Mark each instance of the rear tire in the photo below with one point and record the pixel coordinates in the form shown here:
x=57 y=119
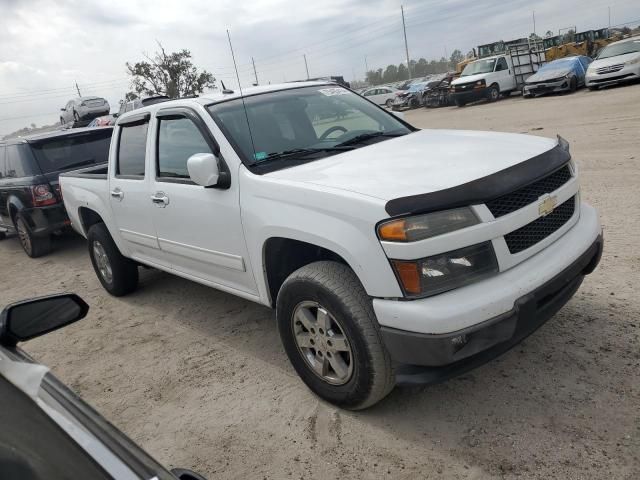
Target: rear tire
x=329 y=294
x=33 y=246
x=3 y=235
x=117 y=274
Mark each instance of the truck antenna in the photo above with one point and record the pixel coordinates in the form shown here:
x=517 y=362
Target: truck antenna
x=244 y=105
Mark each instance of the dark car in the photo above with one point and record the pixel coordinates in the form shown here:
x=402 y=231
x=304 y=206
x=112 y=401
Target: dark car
x=30 y=198
x=80 y=111
x=46 y=431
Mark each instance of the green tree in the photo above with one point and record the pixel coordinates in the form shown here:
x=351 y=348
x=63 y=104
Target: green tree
x=421 y=68
x=390 y=74
x=403 y=72
x=456 y=57
x=170 y=74
x=549 y=34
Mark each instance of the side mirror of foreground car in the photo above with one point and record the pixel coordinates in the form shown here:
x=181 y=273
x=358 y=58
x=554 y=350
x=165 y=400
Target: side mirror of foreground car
x=203 y=169
x=184 y=474
x=32 y=318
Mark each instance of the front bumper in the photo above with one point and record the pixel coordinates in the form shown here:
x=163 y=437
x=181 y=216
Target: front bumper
x=470 y=96
x=431 y=358
x=546 y=87
x=627 y=74
x=43 y=221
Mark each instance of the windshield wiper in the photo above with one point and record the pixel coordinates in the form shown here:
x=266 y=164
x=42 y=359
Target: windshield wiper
x=366 y=136
x=297 y=152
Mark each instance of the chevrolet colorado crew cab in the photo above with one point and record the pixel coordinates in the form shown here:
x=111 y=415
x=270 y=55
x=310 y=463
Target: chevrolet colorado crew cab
x=391 y=254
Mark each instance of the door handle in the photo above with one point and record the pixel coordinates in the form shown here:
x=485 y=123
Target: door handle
x=160 y=199
x=117 y=193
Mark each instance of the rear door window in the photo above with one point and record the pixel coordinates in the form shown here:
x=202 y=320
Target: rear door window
x=132 y=149
x=178 y=139
x=19 y=162
x=64 y=153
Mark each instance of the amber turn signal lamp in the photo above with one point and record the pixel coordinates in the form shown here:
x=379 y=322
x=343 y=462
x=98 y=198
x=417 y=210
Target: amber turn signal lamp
x=394 y=231
x=408 y=274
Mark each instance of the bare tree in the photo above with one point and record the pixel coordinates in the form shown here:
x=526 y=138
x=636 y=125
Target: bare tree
x=170 y=74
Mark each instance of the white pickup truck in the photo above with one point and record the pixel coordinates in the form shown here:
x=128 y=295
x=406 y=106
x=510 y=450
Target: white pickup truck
x=391 y=254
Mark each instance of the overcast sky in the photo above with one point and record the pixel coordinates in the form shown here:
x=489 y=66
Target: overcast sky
x=45 y=47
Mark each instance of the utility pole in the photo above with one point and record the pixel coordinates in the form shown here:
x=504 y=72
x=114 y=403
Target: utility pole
x=254 y=70
x=78 y=89
x=305 y=65
x=609 y=8
x=534 y=22
x=406 y=47
x=366 y=66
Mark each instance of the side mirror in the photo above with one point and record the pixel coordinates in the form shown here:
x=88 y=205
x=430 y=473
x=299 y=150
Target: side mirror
x=184 y=474
x=32 y=318
x=400 y=115
x=115 y=115
x=63 y=109
x=203 y=169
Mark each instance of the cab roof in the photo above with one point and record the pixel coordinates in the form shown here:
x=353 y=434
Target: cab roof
x=219 y=96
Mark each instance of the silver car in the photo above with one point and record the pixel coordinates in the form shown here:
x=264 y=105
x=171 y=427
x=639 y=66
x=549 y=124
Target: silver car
x=83 y=110
x=618 y=62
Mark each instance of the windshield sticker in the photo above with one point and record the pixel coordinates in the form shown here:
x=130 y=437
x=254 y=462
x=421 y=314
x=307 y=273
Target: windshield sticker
x=330 y=92
x=260 y=156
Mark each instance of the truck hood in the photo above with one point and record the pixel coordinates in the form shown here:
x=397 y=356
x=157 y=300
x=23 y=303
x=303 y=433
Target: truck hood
x=421 y=162
x=470 y=78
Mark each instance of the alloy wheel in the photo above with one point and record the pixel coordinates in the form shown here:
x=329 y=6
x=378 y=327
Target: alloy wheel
x=322 y=342
x=102 y=262
x=23 y=235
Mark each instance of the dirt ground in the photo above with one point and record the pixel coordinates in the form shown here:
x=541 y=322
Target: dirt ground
x=199 y=378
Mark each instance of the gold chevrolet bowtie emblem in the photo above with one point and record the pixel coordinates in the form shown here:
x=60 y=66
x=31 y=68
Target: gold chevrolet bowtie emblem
x=547 y=205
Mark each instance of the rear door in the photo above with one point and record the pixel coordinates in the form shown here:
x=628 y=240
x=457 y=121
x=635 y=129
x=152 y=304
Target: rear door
x=199 y=229
x=129 y=190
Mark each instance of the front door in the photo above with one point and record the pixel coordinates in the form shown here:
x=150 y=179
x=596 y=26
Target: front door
x=129 y=192
x=505 y=75
x=199 y=229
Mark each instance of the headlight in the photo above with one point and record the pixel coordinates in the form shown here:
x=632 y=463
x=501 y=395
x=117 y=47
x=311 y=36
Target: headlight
x=633 y=61
x=446 y=271
x=416 y=228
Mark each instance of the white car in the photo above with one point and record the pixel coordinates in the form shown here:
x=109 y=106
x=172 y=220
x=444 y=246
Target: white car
x=616 y=63
x=381 y=95
x=391 y=254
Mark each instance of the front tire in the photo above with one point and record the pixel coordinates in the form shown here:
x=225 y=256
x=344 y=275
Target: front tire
x=494 y=93
x=117 y=274
x=592 y=89
x=460 y=103
x=389 y=103
x=573 y=85
x=33 y=246
x=332 y=337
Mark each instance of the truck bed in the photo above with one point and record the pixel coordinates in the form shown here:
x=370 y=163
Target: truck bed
x=95 y=172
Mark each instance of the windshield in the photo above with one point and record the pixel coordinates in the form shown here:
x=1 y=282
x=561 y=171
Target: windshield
x=416 y=87
x=479 y=66
x=321 y=120
x=619 y=49
x=74 y=151
x=558 y=65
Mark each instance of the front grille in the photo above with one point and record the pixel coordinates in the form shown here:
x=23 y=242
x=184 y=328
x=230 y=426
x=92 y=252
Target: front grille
x=464 y=87
x=529 y=193
x=541 y=228
x=611 y=79
x=610 y=69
